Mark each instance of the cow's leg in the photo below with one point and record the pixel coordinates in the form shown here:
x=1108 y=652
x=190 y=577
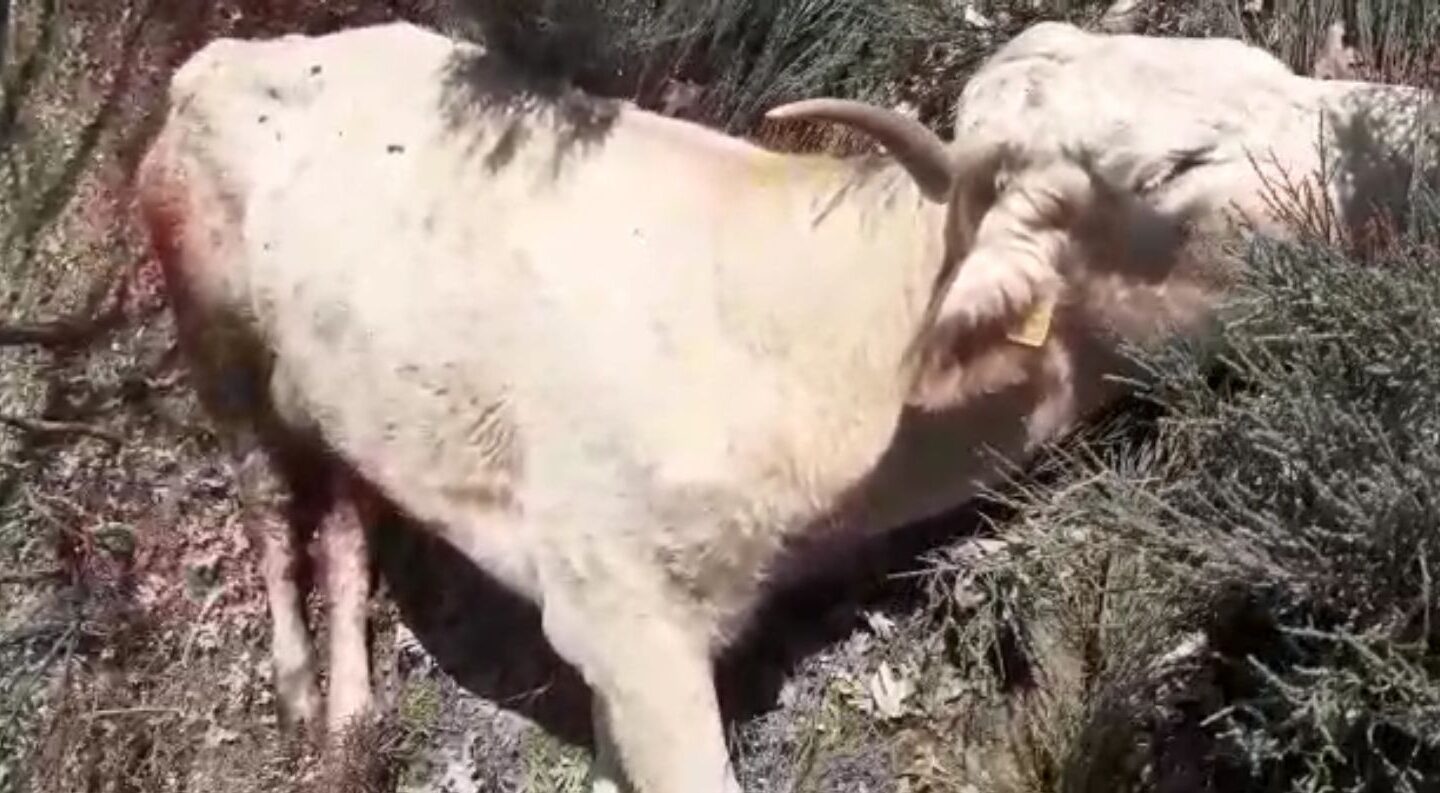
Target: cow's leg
x=606 y=773
x=269 y=497
x=347 y=584
x=651 y=673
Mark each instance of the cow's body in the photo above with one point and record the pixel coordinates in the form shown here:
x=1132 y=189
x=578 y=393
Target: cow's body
x=622 y=362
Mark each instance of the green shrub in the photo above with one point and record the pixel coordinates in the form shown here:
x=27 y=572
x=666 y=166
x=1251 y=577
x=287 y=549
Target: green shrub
x=751 y=54
x=1283 y=503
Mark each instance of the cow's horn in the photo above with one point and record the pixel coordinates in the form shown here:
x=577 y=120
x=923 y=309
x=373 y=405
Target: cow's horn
x=919 y=150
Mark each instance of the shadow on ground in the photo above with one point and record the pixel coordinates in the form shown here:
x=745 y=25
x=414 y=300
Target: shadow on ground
x=489 y=640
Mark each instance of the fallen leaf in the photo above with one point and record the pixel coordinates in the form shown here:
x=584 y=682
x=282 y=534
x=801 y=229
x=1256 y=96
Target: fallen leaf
x=889 y=692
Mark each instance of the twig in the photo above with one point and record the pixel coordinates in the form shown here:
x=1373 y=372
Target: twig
x=139 y=711
x=63 y=332
x=104 y=310
x=43 y=427
x=31 y=632
x=4 y=31
x=32 y=577
x=46 y=333
x=210 y=601
x=1093 y=649
x=67 y=640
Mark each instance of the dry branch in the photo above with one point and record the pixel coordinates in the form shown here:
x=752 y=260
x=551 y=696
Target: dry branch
x=46 y=428
x=78 y=328
x=137 y=711
x=52 y=333
x=33 y=577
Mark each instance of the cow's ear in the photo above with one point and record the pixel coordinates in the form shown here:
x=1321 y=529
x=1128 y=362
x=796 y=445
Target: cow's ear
x=1010 y=276
x=919 y=150
x=953 y=369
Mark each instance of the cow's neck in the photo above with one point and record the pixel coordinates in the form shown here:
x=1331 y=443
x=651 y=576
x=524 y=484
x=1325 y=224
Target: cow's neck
x=846 y=276
x=831 y=308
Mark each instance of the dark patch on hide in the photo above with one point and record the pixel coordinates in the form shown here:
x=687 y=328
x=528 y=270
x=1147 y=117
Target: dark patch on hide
x=506 y=147
x=484 y=92
x=332 y=320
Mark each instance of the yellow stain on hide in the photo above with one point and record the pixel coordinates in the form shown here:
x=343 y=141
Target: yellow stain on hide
x=770 y=170
x=765 y=171
x=1034 y=329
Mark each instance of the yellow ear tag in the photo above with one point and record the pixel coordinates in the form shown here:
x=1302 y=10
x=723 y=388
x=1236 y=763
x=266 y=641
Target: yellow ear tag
x=1035 y=328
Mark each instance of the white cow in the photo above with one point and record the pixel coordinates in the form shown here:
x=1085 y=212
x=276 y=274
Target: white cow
x=628 y=365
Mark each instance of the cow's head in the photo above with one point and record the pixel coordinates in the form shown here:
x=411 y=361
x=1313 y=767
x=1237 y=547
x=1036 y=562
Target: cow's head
x=1028 y=229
